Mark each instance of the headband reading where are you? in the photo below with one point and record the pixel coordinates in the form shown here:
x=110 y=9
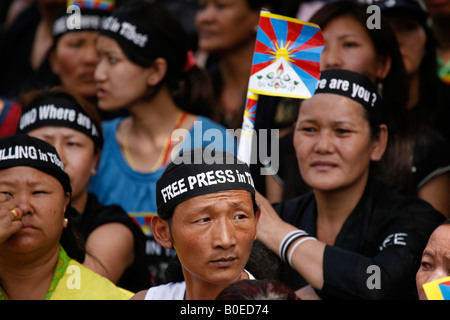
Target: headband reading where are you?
x=355 y=86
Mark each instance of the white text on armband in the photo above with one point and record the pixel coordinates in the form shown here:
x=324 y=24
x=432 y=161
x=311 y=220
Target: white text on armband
x=397 y=239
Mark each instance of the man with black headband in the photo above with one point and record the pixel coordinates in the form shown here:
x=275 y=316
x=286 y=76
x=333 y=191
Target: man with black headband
x=351 y=237
x=207 y=212
x=35 y=195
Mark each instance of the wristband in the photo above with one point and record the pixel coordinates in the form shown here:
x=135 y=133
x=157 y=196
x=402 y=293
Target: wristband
x=296 y=245
x=287 y=241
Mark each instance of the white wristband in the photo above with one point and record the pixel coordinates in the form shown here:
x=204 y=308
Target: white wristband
x=296 y=245
x=287 y=240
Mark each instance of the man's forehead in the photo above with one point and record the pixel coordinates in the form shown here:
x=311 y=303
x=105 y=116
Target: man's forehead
x=230 y=197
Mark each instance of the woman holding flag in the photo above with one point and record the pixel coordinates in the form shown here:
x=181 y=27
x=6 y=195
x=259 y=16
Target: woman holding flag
x=352 y=237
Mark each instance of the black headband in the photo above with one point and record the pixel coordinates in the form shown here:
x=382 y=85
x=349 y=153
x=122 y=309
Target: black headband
x=355 y=86
x=59 y=112
x=140 y=38
x=82 y=15
x=23 y=150
x=199 y=172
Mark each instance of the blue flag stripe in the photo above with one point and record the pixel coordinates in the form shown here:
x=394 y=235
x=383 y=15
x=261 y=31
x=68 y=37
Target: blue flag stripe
x=262 y=57
x=280 y=28
x=309 y=81
x=264 y=39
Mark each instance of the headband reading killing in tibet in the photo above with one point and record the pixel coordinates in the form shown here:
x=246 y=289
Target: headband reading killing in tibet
x=217 y=171
x=355 y=86
x=23 y=150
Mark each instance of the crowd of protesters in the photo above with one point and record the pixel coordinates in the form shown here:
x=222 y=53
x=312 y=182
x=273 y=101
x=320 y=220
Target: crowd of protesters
x=116 y=159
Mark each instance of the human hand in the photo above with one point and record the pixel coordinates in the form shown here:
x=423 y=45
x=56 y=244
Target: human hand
x=10 y=218
x=268 y=216
x=271 y=228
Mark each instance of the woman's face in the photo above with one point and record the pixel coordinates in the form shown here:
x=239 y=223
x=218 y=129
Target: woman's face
x=43 y=202
x=77 y=153
x=120 y=82
x=349 y=46
x=435 y=259
x=411 y=38
x=224 y=25
x=333 y=142
x=74 y=61
x=213 y=235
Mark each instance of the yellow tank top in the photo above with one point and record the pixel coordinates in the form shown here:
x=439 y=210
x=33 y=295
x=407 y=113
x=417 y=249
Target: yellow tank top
x=81 y=283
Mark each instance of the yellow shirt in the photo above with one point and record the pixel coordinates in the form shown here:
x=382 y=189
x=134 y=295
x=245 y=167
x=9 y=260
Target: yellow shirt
x=81 y=283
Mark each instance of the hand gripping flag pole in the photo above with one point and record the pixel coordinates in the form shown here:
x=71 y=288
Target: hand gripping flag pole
x=286 y=63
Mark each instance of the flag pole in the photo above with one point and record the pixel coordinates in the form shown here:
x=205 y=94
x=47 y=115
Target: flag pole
x=248 y=125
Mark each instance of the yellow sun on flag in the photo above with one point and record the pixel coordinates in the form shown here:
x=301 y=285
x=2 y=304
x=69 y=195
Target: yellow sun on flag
x=282 y=52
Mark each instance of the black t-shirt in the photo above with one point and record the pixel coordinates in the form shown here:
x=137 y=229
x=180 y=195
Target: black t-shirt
x=136 y=277
x=385 y=230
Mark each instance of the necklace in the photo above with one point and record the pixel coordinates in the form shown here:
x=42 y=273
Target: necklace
x=164 y=156
x=60 y=269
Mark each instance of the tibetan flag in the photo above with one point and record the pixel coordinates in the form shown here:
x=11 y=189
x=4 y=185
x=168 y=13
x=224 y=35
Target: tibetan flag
x=104 y=5
x=438 y=289
x=286 y=60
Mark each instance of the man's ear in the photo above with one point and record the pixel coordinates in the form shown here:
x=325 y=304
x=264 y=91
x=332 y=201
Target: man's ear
x=161 y=231
x=257 y=215
x=157 y=72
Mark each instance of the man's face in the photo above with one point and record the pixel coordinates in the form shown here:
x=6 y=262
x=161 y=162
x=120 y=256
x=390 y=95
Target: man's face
x=435 y=262
x=213 y=235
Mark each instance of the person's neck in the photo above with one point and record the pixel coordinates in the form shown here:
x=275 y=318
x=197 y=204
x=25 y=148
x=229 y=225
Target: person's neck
x=235 y=66
x=27 y=276
x=334 y=207
x=79 y=201
x=155 y=117
x=146 y=134
x=197 y=289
